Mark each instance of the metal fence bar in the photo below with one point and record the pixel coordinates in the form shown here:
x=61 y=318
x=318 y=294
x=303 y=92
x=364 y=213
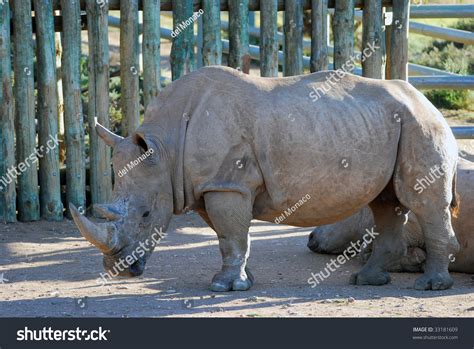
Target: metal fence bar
x=449 y=34
x=442 y=11
x=455 y=35
x=443 y=82
x=463 y=132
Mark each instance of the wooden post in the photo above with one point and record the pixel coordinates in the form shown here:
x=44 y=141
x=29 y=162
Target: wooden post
x=211 y=27
x=399 y=40
x=73 y=116
x=28 y=201
x=293 y=38
x=129 y=65
x=100 y=168
x=343 y=29
x=372 y=51
x=388 y=64
x=239 y=35
x=151 y=50
x=268 y=38
x=182 y=54
x=319 y=35
x=50 y=186
x=7 y=131
x=199 y=42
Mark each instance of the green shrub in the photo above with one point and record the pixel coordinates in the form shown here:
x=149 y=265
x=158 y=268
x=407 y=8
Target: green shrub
x=455 y=58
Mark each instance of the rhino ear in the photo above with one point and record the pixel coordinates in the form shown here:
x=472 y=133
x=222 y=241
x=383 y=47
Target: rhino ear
x=143 y=142
x=110 y=138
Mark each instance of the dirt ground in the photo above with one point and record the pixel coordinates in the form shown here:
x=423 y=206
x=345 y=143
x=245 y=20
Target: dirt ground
x=48 y=269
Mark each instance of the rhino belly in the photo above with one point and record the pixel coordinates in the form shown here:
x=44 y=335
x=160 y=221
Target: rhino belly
x=324 y=168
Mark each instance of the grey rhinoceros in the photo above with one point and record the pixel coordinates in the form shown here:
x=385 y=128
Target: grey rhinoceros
x=337 y=237
x=235 y=147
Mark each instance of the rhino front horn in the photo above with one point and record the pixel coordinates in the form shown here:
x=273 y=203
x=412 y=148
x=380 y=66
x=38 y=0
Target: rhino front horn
x=103 y=236
x=110 y=138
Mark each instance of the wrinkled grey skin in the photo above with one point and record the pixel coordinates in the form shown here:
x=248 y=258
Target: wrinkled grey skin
x=253 y=147
x=335 y=238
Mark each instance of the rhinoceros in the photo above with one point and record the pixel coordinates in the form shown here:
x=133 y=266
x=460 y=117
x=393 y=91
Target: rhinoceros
x=234 y=147
x=335 y=238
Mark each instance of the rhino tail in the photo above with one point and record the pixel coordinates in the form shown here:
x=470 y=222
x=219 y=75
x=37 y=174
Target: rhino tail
x=456 y=200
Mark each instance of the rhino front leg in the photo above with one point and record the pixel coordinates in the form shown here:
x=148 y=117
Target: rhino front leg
x=230 y=214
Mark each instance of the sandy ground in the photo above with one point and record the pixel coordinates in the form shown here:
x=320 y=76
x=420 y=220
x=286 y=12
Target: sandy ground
x=48 y=269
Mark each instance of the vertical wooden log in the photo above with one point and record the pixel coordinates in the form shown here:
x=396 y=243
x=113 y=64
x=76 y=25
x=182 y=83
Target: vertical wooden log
x=388 y=64
x=151 y=50
x=27 y=172
x=129 y=65
x=239 y=35
x=50 y=186
x=343 y=29
x=59 y=88
x=182 y=56
x=211 y=28
x=293 y=54
x=319 y=35
x=372 y=53
x=100 y=168
x=199 y=43
x=268 y=38
x=7 y=131
x=399 y=40
x=383 y=45
x=73 y=116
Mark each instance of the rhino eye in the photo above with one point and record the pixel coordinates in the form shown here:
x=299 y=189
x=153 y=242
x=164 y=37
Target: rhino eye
x=146 y=214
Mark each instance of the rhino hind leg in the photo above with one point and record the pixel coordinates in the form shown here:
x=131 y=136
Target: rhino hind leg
x=388 y=247
x=230 y=214
x=440 y=240
x=427 y=189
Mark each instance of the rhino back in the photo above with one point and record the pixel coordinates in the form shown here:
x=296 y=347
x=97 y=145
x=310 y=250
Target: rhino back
x=267 y=135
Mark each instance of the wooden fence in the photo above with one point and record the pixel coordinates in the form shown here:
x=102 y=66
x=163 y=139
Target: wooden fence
x=29 y=113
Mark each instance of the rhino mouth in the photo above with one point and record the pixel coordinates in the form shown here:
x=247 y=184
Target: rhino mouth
x=114 y=268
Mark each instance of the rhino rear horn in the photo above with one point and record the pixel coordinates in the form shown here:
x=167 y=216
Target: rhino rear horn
x=110 y=212
x=103 y=235
x=110 y=138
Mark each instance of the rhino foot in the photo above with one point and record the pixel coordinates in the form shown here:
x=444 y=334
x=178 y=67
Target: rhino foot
x=366 y=277
x=232 y=280
x=434 y=281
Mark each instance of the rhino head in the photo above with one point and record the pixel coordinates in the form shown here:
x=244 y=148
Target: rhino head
x=141 y=207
